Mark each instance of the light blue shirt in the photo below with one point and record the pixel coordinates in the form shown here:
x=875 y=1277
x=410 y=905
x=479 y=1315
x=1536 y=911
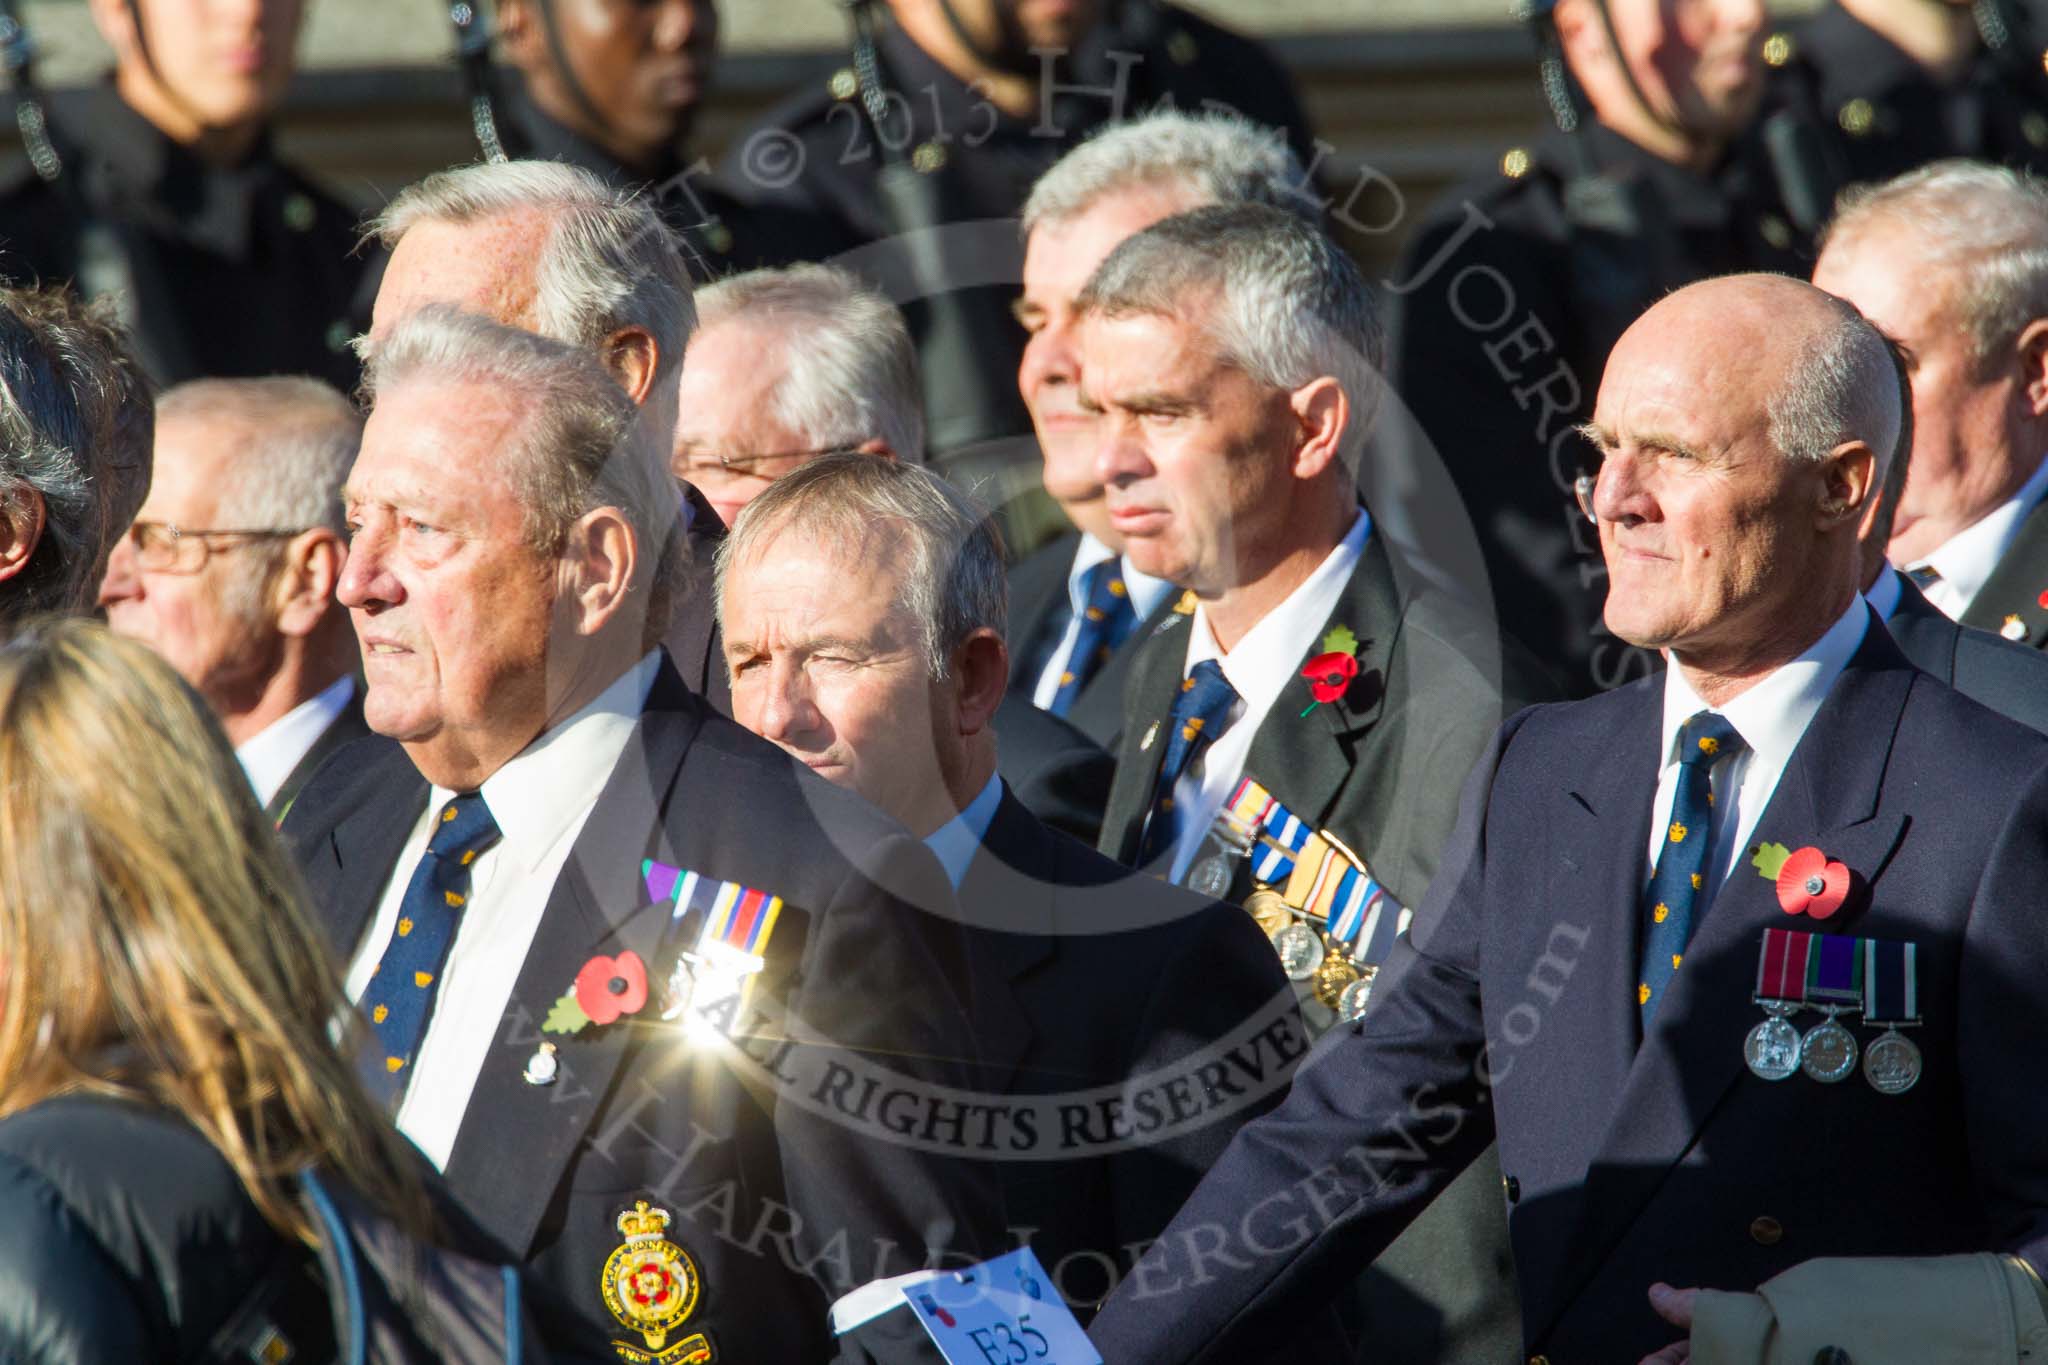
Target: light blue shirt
x=956 y=842
x=1145 y=593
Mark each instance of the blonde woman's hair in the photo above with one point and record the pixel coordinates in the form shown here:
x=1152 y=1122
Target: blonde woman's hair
x=154 y=941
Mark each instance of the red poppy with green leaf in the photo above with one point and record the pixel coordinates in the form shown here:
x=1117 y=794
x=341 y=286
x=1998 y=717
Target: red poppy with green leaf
x=1330 y=673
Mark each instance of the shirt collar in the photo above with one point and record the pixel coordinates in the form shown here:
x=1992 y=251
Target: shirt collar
x=269 y=755
x=1145 y=592
x=1885 y=593
x=956 y=842
x=1268 y=657
x=1966 y=559
x=549 y=786
x=1772 y=714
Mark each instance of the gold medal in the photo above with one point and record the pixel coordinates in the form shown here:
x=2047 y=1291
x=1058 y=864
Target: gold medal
x=1333 y=976
x=1269 y=910
x=650 y=1285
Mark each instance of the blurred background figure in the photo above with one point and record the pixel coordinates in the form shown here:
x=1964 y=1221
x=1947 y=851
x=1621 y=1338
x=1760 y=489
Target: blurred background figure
x=1078 y=604
x=230 y=567
x=1516 y=286
x=75 y=430
x=160 y=189
x=785 y=366
x=165 y=1068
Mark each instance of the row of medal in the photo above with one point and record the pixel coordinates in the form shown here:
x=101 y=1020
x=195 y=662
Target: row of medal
x=1835 y=975
x=1329 y=920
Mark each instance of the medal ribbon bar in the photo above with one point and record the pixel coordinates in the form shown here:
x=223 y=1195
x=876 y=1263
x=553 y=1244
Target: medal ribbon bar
x=1891 y=987
x=1781 y=965
x=1834 y=971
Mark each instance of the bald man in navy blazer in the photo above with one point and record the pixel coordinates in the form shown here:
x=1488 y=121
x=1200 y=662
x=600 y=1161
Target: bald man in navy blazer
x=1563 y=992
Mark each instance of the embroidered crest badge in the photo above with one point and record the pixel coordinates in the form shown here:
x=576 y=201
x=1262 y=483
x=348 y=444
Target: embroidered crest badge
x=650 y=1285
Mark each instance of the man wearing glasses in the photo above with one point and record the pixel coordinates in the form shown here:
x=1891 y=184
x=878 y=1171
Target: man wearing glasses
x=230 y=568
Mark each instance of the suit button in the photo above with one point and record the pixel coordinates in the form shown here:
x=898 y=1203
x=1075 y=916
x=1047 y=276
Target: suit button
x=1766 y=1231
x=1831 y=1355
x=1539 y=1360
x=1512 y=1188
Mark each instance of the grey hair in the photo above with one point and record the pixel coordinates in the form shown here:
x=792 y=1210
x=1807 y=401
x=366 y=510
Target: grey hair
x=76 y=427
x=608 y=260
x=1843 y=387
x=1982 y=226
x=581 y=446
x=297 y=437
x=1290 y=306
x=1214 y=158
x=953 y=583
x=852 y=370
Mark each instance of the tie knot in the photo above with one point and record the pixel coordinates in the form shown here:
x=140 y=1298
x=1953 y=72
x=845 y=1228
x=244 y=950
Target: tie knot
x=1205 y=693
x=465 y=825
x=1707 y=736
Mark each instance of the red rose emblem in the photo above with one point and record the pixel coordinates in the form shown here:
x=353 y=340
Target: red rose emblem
x=608 y=987
x=1329 y=674
x=1810 y=883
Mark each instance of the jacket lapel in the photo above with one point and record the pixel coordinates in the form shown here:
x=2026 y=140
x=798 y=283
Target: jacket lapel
x=1157 y=666
x=366 y=846
x=517 y=1138
x=1924 y=633
x=346 y=726
x=1009 y=884
x=1099 y=711
x=2015 y=588
x=1827 y=797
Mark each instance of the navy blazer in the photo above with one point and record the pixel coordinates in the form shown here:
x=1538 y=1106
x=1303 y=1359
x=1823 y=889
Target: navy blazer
x=1039 y=612
x=784 y=1206
x=2009 y=677
x=1631 y=1160
x=2015 y=597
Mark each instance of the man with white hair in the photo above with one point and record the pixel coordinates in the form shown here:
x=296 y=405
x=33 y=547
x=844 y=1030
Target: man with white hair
x=1646 y=892
x=1971 y=312
x=550 y=248
x=1295 y=730
x=230 y=568
x=790 y=365
x=609 y=945
x=1078 y=604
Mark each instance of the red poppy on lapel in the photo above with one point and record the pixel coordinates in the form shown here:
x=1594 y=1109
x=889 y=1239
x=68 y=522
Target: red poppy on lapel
x=608 y=987
x=1811 y=883
x=1330 y=673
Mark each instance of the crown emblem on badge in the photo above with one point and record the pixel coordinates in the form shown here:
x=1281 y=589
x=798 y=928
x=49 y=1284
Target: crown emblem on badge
x=650 y=1285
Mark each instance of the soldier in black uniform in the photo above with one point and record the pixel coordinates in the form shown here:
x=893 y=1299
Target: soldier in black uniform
x=614 y=87
x=161 y=188
x=1515 y=288
x=1890 y=85
x=973 y=115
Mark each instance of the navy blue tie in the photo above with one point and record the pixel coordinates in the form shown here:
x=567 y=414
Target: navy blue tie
x=1678 y=885
x=1107 y=620
x=400 y=996
x=1200 y=713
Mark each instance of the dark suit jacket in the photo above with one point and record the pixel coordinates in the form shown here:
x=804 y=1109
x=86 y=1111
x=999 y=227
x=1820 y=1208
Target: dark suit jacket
x=758 y=1181
x=1039 y=612
x=2017 y=586
x=1513 y=1008
x=345 y=728
x=1059 y=774
x=693 y=641
x=1088 y=976
x=2004 y=675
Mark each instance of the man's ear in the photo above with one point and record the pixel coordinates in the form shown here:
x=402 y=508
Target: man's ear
x=519 y=37
x=1848 y=484
x=632 y=355
x=2033 y=361
x=21 y=529
x=875 y=445
x=116 y=23
x=981 y=674
x=1322 y=411
x=600 y=559
x=304 y=592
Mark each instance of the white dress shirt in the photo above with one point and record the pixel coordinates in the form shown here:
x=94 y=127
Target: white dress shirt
x=1144 y=592
x=540 y=800
x=1966 y=559
x=1771 y=716
x=1885 y=593
x=956 y=842
x=269 y=755
x=1261 y=666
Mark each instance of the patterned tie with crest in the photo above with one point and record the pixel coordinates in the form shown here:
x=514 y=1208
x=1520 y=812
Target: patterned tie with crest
x=1200 y=713
x=1678 y=884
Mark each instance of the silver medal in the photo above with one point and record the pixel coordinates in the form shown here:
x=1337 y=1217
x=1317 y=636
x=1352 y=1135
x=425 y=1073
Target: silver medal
x=1829 y=1053
x=1210 y=876
x=1351 y=1004
x=1892 y=1063
x=541 y=1067
x=682 y=984
x=1772 y=1049
x=1300 y=949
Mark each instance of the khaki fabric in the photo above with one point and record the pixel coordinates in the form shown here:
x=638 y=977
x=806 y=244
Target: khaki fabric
x=1946 y=1310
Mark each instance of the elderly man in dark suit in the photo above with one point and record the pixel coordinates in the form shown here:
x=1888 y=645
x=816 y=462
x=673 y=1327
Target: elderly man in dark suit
x=1607 y=945
x=862 y=608
x=618 y=956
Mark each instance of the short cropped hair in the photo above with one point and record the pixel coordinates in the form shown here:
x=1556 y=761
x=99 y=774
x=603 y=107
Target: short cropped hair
x=1215 y=158
x=953 y=582
x=609 y=261
x=581 y=446
x=1843 y=387
x=1290 y=307
x=852 y=368
x=76 y=427
x=1983 y=228
x=300 y=435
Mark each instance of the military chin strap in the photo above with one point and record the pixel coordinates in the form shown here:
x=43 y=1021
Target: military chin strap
x=18 y=56
x=1999 y=25
x=473 y=55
